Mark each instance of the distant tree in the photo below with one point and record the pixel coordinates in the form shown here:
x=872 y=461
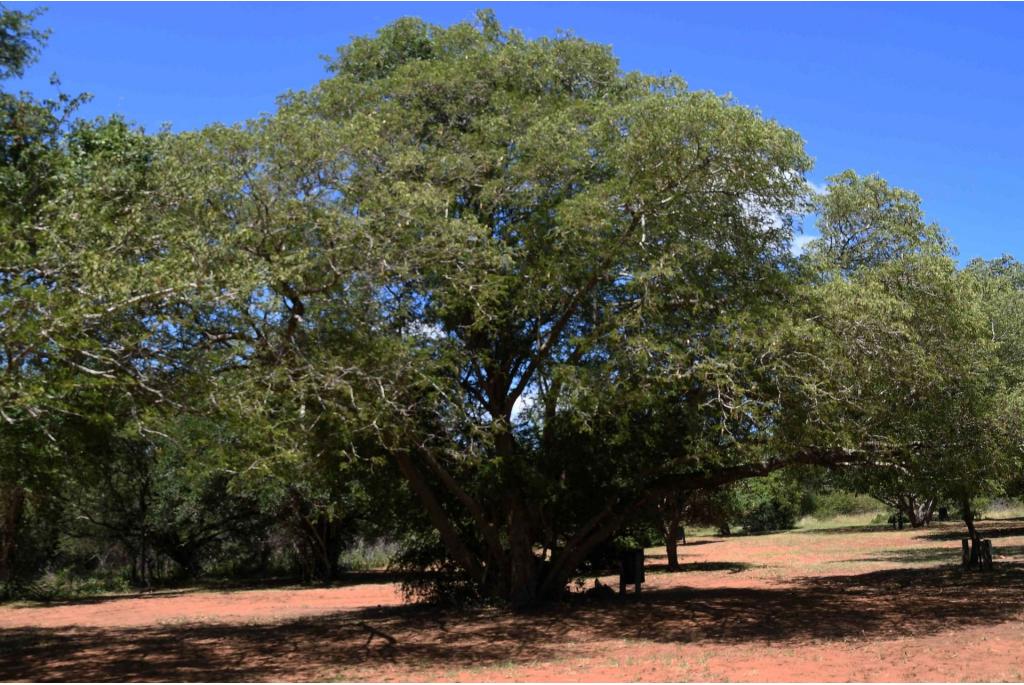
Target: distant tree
x=909 y=350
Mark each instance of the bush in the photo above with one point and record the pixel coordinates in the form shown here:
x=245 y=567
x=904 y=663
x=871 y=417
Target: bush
x=367 y=556
x=64 y=584
x=770 y=503
x=843 y=503
x=430 y=574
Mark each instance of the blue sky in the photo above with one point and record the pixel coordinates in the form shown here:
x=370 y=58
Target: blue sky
x=930 y=96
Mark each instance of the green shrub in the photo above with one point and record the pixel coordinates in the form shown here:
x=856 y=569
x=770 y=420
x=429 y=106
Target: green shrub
x=64 y=584
x=770 y=503
x=843 y=503
x=368 y=555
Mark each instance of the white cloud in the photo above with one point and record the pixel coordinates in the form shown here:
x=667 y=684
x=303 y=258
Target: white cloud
x=819 y=188
x=800 y=243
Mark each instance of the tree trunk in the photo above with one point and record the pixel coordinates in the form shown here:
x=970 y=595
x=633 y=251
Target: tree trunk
x=567 y=560
x=449 y=534
x=672 y=541
x=13 y=507
x=972 y=532
x=324 y=536
x=523 y=563
x=918 y=513
x=926 y=511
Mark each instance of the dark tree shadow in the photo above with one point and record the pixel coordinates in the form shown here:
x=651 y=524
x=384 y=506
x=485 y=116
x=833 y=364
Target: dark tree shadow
x=348 y=579
x=695 y=543
x=1001 y=528
x=875 y=605
x=913 y=601
x=696 y=566
x=870 y=528
x=914 y=556
x=949 y=555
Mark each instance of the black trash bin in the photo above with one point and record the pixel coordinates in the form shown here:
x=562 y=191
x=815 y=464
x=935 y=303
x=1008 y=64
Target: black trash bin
x=631 y=569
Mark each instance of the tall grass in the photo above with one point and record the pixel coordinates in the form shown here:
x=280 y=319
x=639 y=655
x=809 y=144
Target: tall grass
x=368 y=555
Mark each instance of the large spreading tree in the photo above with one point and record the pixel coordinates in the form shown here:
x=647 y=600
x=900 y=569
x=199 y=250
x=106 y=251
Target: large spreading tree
x=533 y=293
x=545 y=289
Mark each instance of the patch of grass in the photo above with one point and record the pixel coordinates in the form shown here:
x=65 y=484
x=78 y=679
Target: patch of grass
x=842 y=521
x=843 y=503
x=368 y=556
x=62 y=585
x=1004 y=509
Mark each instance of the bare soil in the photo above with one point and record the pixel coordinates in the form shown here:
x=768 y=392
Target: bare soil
x=858 y=603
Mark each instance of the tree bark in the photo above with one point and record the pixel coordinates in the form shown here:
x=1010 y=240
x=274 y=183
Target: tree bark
x=971 y=531
x=523 y=564
x=449 y=535
x=13 y=506
x=672 y=541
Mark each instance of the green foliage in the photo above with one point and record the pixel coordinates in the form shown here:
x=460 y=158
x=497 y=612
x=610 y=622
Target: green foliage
x=367 y=555
x=864 y=222
x=842 y=503
x=65 y=585
x=903 y=351
x=766 y=504
x=20 y=41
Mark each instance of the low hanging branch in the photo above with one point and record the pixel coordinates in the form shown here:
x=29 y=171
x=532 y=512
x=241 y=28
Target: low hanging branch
x=813 y=456
x=608 y=520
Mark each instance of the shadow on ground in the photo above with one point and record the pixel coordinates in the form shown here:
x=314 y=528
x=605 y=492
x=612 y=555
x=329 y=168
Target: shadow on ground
x=659 y=566
x=870 y=528
x=696 y=543
x=948 y=555
x=877 y=605
x=999 y=528
x=348 y=579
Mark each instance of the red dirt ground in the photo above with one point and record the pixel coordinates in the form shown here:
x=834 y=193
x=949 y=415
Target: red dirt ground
x=864 y=604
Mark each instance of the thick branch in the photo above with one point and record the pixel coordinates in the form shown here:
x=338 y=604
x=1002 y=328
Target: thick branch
x=567 y=313
x=814 y=456
x=490 y=533
x=604 y=524
x=449 y=535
